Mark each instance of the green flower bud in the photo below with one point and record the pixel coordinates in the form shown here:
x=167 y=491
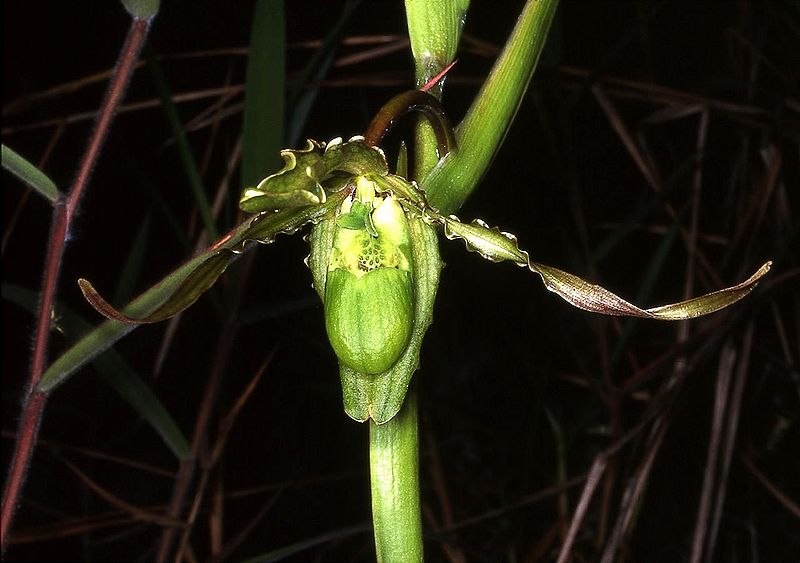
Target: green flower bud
x=369 y=296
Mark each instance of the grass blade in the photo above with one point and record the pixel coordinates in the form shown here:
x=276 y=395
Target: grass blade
x=265 y=92
x=29 y=174
x=116 y=372
x=184 y=148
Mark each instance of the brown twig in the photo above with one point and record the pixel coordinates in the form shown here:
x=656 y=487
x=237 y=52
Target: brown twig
x=595 y=474
x=722 y=396
x=63 y=213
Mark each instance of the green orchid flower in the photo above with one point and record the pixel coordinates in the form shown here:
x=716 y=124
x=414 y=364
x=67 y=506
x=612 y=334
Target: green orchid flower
x=375 y=260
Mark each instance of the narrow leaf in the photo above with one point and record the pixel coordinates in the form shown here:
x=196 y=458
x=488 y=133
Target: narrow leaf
x=137 y=255
x=185 y=153
x=141 y=9
x=303 y=93
x=29 y=174
x=115 y=371
x=265 y=92
x=482 y=131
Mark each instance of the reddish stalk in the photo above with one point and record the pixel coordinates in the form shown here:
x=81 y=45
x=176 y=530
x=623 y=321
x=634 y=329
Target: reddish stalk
x=63 y=212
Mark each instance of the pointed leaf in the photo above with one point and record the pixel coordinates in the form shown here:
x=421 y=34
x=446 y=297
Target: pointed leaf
x=482 y=131
x=115 y=371
x=302 y=93
x=263 y=130
x=185 y=153
x=29 y=174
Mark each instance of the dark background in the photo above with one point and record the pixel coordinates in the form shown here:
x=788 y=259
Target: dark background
x=518 y=391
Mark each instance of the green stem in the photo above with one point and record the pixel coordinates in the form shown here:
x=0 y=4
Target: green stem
x=394 y=477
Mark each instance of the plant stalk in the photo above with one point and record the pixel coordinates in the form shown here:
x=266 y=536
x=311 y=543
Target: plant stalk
x=394 y=479
x=63 y=212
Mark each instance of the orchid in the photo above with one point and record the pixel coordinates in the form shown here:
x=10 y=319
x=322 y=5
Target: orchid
x=374 y=225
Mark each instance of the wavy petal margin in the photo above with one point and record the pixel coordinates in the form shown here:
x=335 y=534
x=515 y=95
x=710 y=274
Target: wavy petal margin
x=262 y=229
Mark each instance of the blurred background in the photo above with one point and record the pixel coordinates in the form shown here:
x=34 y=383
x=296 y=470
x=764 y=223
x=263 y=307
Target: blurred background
x=656 y=153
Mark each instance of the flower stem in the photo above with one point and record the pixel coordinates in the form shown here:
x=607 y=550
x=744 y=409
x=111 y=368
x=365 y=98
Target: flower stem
x=394 y=477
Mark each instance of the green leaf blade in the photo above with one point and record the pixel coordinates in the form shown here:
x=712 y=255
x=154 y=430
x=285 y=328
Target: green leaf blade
x=482 y=131
x=265 y=92
x=30 y=175
x=115 y=371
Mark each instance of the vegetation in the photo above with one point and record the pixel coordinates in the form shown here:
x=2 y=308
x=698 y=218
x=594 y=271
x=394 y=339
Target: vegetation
x=546 y=433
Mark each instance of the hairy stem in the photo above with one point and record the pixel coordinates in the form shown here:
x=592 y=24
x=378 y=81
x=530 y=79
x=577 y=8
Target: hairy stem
x=63 y=212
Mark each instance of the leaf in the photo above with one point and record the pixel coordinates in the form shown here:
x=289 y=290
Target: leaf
x=29 y=174
x=115 y=371
x=141 y=9
x=300 y=181
x=303 y=93
x=488 y=119
x=499 y=246
x=188 y=161
x=137 y=255
x=263 y=131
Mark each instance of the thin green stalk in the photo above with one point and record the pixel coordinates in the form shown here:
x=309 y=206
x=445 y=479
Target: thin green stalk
x=394 y=479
